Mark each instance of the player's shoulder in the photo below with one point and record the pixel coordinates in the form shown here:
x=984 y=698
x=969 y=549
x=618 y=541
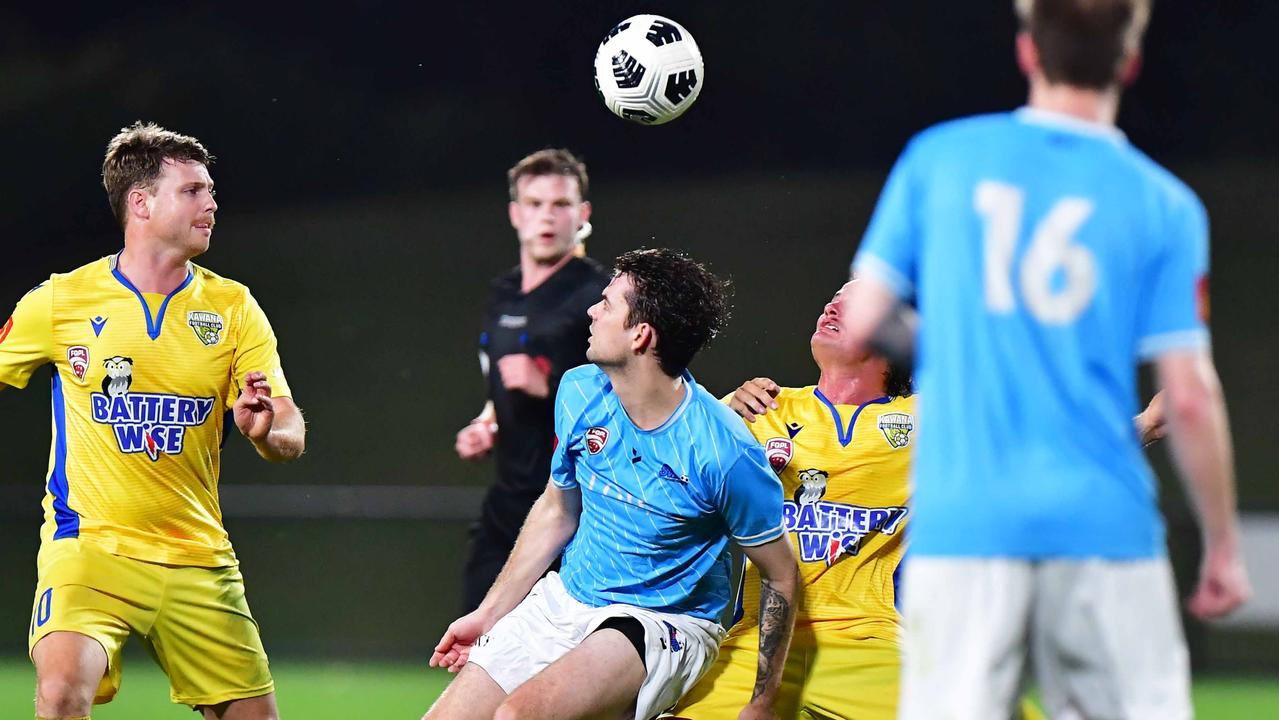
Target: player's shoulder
x=589 y=269
x=581 y=385
x=1172 y=191
x=219 y=289
x=708 y=415
x=960 y=132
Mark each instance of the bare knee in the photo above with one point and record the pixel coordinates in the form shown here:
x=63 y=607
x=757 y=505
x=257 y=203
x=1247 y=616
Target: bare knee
x=63 y=695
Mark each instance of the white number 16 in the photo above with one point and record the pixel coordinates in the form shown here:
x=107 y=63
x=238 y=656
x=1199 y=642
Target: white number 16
x=1050 y=251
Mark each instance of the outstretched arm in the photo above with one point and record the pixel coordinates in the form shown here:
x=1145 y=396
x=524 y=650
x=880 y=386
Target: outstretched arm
x=779 y=584
x=550 y=525
x=273 y=424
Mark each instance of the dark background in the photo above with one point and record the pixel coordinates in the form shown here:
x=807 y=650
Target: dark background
x=362 y=191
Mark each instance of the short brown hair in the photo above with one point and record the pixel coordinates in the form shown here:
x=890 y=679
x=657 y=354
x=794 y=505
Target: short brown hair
x=136 y=156
x=1082 y=42
x=551 y=161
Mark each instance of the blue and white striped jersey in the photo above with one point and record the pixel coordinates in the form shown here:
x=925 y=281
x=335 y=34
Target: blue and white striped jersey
x=658 y=506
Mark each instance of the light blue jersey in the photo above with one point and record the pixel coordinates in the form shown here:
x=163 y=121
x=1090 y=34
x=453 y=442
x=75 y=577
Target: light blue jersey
x=658 y=506
x=1047 y=257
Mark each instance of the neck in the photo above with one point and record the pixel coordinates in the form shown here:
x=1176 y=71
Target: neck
x=648 y=395
x=1095 y=106
x=534 y=273
x=152 y=269
x=856 y=385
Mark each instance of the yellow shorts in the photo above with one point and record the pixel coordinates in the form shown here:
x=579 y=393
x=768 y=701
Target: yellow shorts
x=194 y=621
x=832 y=671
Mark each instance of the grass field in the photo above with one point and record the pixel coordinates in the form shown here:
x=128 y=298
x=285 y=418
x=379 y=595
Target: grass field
x=370 y=690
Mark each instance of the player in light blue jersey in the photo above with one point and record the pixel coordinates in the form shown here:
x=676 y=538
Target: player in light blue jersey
x=651 y=478
x=1047 y=257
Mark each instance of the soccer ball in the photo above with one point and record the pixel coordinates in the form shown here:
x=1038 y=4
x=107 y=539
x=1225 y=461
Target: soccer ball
x=648 y=70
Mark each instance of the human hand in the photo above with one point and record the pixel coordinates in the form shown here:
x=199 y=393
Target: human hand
x=1223 y=583
x=524 y=373
x=454 y=649
x=754 y=397
x=475 y=441
x=254 y=413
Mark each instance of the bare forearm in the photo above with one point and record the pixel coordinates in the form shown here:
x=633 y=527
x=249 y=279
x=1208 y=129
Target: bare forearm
x=1200 y=434
x=776 y=623
x=549 y=527
x=287 y=439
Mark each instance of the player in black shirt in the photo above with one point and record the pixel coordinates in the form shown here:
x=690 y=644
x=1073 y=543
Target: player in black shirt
x=535 y=329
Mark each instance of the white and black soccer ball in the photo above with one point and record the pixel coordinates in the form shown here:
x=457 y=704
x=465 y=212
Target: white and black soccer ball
x=648 y=70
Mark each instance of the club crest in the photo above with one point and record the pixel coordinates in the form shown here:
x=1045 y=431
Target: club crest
x=78 y=360
x=779 y=452
x=896 y=428
x=596 y=439
x=206 y=325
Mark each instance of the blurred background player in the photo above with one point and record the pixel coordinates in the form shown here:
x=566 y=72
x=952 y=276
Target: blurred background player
x=1048 y=257
x=535 y=329
x=149 y=351
x=842 y=450
x=650 y=480
x=849 y=637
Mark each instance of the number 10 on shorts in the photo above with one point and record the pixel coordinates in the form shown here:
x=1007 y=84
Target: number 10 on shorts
x=44 y=606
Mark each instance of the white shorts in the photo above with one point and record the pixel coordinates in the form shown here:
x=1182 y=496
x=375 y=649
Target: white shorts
x=549 y=623
x=1104 y=636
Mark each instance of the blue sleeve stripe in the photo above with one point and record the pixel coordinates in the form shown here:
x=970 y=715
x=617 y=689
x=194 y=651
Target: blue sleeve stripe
x=869 y=264
x=760 y=538
x=1152 y=346
x=66 y=520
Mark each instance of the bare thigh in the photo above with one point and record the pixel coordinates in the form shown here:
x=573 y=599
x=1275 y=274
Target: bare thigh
x=600 y=678
x=472 y=695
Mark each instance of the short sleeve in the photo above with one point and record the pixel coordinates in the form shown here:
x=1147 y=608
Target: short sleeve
x=1173 y=315
x=751 y=502
x=256 y=350
x=26 y=338
x=567 y=446
x=889 y=250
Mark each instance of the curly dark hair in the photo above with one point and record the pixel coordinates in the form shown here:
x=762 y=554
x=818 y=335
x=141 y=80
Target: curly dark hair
x=136 y=155
x=684 y=302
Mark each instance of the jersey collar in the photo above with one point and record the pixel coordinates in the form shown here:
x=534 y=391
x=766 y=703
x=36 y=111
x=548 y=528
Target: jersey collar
x=1069 y=123
x=154 y=325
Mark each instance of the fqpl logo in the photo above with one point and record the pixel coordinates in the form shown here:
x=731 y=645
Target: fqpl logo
x=151 y=423
x=826 y=530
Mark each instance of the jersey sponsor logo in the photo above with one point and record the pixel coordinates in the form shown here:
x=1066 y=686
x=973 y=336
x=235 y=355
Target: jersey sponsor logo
x=779 y=452
x=896 y=428
x=596 y=439
x=206 y=325
x=512 y=321
x=78 y=360
x=4 y=329
x=98 y=323
x=827 y=531
x=151 y=423
x=666 y=473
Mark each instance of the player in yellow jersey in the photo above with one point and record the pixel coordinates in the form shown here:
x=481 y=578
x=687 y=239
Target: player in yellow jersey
x=842 y=450
x=149 y=352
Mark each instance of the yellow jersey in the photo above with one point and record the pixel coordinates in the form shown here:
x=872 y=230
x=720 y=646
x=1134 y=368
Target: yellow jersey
x=845 y=472
x=141 y=387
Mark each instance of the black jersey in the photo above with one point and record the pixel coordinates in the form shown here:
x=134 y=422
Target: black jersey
x=550 y=325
